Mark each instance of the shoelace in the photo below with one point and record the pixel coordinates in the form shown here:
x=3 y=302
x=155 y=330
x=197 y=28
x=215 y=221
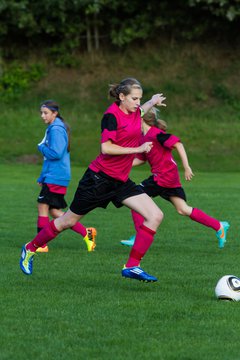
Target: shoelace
x=90 y=235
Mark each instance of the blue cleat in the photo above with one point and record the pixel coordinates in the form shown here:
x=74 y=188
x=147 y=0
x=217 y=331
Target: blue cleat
x=129 y=242
x=26 y=261
x=138 y=274
x=222 y=233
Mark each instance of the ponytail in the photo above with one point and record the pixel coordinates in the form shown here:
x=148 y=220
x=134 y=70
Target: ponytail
x=124 y=87
x=151 y=119
x=67 y=127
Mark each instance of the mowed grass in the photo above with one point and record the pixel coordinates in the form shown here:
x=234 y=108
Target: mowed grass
x=76 y=305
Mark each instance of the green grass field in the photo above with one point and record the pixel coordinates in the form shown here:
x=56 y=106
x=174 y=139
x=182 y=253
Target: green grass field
x=76 y=305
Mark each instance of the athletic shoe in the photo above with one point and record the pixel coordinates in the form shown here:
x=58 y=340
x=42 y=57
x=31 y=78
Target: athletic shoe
x=129 y=242
x=26 y=261
x=137 y=273
x=90 y=238
x=42 y=249
x=222 y=233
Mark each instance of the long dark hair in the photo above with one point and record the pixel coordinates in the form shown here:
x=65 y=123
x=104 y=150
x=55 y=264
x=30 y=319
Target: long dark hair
x=54 y=106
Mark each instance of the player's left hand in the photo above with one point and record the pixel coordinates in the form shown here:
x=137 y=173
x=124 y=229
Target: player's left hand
x=158 y=99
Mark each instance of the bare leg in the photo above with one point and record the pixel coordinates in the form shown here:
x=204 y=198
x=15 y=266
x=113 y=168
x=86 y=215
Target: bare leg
x=88 y=234
x=43 y=209
x=67 y=220
x=221 y=227
x=195 y=214
x=146 y=207
x=181 y=206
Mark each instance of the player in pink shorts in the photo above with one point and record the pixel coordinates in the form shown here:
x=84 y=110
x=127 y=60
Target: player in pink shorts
x=107 y=179
x=165 y=180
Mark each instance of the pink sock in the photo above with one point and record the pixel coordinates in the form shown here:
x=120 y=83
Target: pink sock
x=80 y=229
x=41 y=222
x=137 y=219
x=143 y=241
x=204 y=219
x=48 y=233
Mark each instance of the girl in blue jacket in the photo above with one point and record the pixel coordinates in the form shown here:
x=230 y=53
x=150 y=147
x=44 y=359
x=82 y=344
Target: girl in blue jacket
x=56 y=172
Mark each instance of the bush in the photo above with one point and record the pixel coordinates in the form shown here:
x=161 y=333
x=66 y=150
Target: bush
x=16 y=78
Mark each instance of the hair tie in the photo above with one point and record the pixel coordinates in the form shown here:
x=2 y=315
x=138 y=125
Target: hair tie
x=53 y=108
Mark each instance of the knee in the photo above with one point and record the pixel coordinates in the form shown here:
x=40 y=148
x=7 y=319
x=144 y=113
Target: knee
x=184 y=211
x=55 y=213
x=181 y=212
x=65 y=223
x=69 y=223
x=158 y=217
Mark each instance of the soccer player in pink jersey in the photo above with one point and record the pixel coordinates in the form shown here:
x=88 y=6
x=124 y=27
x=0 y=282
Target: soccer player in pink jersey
x=107 y=179
x=56 y=172
x=165 y=180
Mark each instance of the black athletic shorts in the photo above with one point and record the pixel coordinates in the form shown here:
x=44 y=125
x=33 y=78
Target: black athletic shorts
x=152 y=189
x=98 y=190
x=54 y=200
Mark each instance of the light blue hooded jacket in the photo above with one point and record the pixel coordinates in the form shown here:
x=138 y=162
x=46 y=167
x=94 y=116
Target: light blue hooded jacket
x=56 y=165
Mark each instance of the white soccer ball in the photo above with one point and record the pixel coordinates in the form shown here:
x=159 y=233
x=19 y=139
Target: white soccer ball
x=228 y=288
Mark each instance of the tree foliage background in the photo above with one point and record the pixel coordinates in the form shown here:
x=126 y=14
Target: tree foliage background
x=72 y=48
x=58 y=26
x=60 y=31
